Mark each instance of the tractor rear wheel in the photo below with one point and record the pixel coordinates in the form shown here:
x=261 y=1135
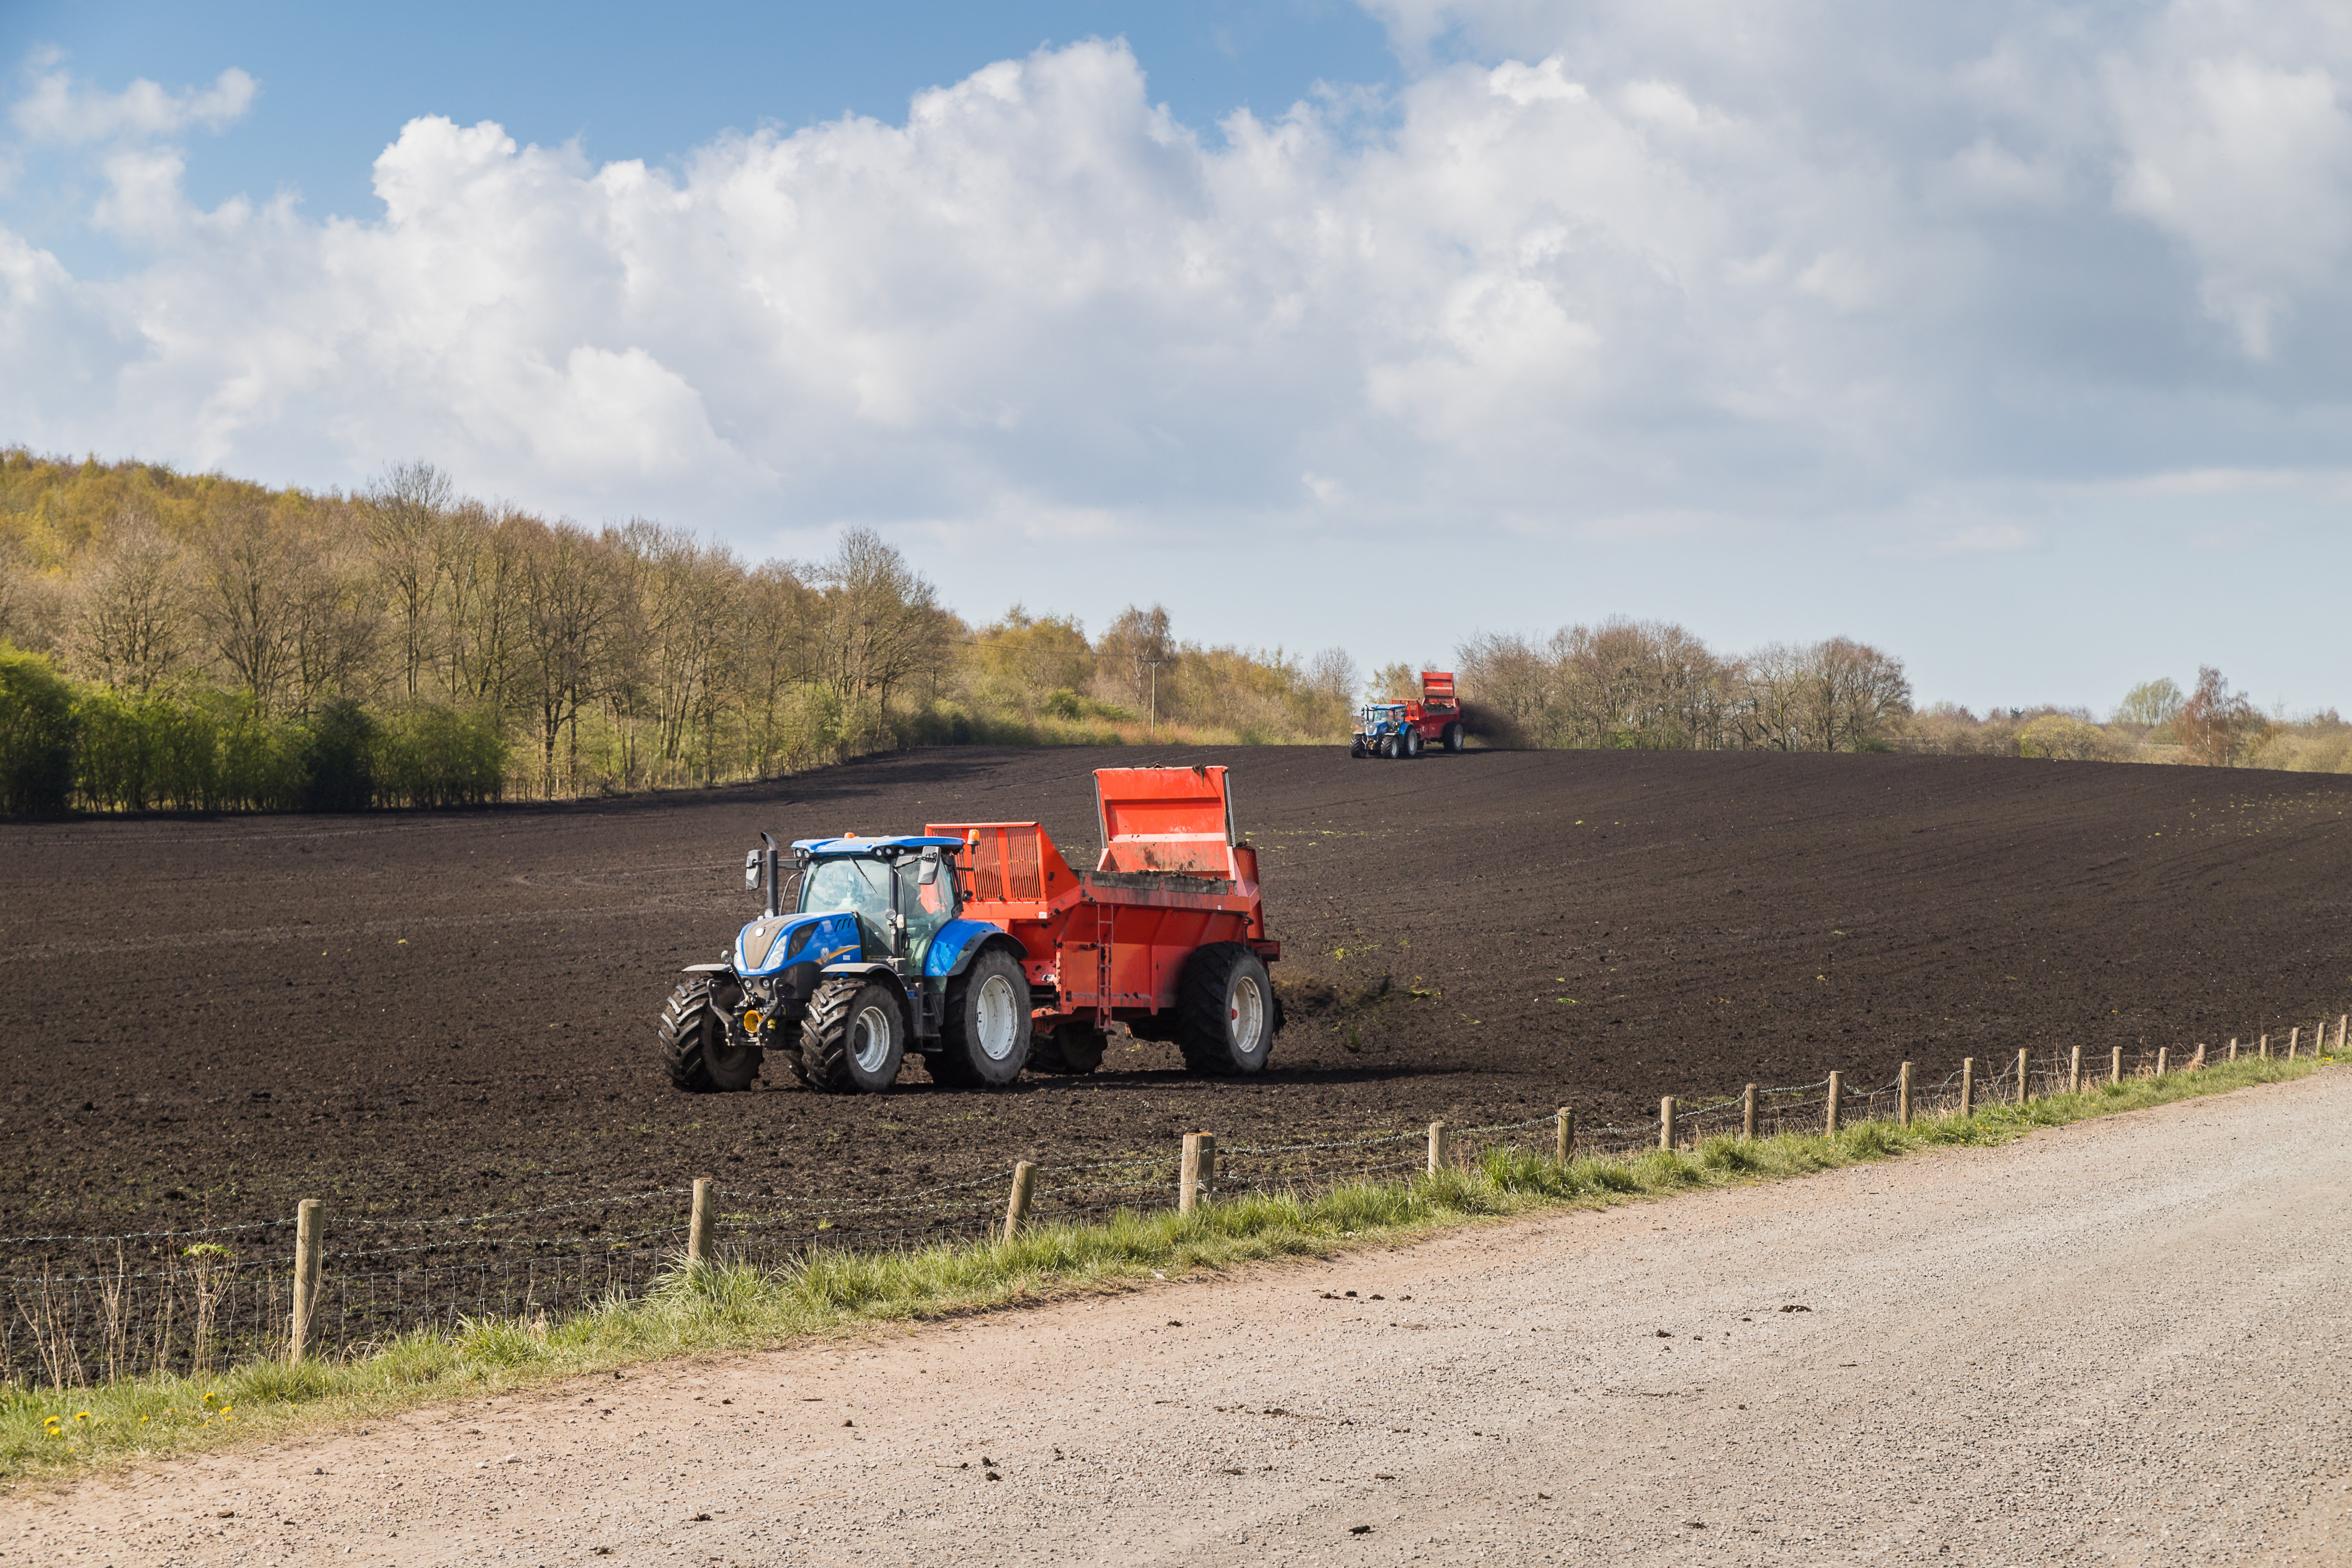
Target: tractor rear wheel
x=853 y=1037
x=1454 y=737
x=697 y=1044
x=1225 y=1011
x=984 y=1039
x=1070 y=1050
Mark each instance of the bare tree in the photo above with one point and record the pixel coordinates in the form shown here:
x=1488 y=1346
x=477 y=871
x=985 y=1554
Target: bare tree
x=1857 y=692
x=1332 y=675
x=482 y=607
x=569 y=602
x=772 y=655
x=883 y=626
x=242 y=599
x=2218 y=726
x=130 y=607
x=408 y=513
x=334 y=622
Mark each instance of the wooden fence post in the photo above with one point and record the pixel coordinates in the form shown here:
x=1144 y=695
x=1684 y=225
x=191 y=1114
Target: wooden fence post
x=1902 y=1095
x=1441 y=1147
x=310 y=1223
x=2074 y=1072
x=1666 y=1123
x=2266 y=1048
x=1967 y=1085
x=2115 y=1066
x=2293 y=1038
x=1563 y=1134
x=1197 y=1181
x=2340 y=1023
x=2197 y=1062
x=1748 y=1114
x=2025 y=1077
x=2162 y=1052
x=1016 y=1207
x=2233 y=1047
x=697 y=1225
x=1837 y=1094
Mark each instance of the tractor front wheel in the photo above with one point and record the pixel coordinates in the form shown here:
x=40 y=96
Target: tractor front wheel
x=702 y=1052
x=984 y=1040
x=853 y=1037
x=1412 y=741
x=1357 y=748
x=1226 y=1011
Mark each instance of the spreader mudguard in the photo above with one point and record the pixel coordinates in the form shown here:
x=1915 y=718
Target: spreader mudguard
x=774 y=942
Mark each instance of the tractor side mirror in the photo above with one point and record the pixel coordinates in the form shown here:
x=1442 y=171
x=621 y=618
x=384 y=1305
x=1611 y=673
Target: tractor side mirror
x=931 y=866
x=751 y=871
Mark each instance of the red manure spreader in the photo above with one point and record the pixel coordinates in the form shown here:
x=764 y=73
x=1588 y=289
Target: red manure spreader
x=1167 y=933
x=1009 y=960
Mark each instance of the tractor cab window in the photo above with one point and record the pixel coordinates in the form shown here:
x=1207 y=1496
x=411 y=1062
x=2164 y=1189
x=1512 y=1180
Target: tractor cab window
x=852 y=885
x=927 y=906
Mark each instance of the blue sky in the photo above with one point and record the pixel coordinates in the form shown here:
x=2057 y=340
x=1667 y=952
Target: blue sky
x=339 y=82
x=2013 y=337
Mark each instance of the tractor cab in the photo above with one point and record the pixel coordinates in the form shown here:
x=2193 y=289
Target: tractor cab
x=901 y=892
x=1382 y=730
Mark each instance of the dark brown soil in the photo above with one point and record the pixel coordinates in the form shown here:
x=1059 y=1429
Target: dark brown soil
x=433 y=1014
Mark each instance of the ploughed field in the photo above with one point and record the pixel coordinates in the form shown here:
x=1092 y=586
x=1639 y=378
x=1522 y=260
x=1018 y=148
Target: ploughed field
x=420 y=1015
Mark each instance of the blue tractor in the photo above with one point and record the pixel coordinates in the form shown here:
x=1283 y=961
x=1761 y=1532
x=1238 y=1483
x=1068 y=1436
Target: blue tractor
x=1385 y=730
x=871 y=960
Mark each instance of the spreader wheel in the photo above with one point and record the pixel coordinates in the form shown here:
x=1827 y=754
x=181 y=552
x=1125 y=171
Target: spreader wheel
x=1068 y=1051
x=984 y=1039
x=702 y=1055
x=1225 y=1011
x=1454 y=737
x=853 y=1037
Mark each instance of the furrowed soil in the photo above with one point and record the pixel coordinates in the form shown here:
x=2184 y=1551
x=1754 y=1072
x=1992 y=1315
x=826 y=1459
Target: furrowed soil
x=427 y=1014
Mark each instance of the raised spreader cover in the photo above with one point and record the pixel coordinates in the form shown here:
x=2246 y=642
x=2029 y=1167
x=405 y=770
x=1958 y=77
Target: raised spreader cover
x=1176 y=820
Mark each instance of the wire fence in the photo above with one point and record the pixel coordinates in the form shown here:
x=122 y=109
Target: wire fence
x=83 y=1308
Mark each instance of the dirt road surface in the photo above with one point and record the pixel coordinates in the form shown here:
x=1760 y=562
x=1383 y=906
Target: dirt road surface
x=2115 y=1342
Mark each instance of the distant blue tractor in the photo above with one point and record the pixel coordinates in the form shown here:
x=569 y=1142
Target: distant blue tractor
x=1385 y=730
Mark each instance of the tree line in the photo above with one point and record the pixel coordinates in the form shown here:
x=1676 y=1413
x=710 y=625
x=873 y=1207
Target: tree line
x=198 y=642
x=1650 y=684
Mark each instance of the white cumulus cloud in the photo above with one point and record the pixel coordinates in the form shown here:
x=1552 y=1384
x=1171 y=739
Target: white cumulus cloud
x=1739 y=268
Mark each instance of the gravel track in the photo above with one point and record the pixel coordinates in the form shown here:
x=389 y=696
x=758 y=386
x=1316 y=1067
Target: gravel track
x=2113 y=1342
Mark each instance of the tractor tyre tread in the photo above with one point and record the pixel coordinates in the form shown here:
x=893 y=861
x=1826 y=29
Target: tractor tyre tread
x=824 y=1035
x=688 y=1020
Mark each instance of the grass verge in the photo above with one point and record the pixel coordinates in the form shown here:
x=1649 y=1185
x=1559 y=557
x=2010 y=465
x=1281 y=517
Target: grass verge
x=702 y=1309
